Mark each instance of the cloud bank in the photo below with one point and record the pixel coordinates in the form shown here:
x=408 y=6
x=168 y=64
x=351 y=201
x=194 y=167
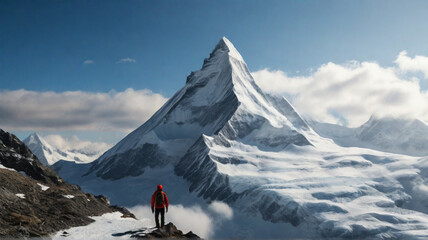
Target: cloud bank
x=74 y=143
x=350 y=93
x=22 y=110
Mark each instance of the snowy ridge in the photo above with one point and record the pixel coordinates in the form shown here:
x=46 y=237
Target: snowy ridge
x=48 y=155
x=403 y=136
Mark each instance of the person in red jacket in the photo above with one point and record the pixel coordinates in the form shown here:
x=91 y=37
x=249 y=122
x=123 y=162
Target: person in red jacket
x=160 y=203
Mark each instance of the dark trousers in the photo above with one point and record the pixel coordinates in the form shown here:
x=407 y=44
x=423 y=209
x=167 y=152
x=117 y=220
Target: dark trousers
x=162 y=212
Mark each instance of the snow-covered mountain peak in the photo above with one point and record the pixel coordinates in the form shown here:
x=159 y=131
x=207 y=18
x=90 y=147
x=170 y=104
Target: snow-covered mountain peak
x=48 y=154
x=34 y=138
x=393 y=122
x=221 y=59
x=221 y=100
x=226 y=44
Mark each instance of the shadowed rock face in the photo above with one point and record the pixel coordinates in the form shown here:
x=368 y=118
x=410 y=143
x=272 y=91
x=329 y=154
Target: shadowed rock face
x=35 y=201
x=127 y=164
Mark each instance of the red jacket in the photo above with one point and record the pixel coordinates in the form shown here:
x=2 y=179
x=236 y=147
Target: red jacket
x=160 y=205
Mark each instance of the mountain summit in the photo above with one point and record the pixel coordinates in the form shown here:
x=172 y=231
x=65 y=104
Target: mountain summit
x=219 y=100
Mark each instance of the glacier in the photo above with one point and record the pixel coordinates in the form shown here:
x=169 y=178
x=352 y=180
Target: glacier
x=221 y=138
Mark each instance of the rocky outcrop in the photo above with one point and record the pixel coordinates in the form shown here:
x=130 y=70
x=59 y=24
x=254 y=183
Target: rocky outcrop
x=14 y=154
x=168 y=231
x=35 y=201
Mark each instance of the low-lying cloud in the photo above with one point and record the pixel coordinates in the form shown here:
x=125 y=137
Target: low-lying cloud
x=74 y=143
x=221 y=209
x=22 y=110
x=349 y=94
x=194 y=218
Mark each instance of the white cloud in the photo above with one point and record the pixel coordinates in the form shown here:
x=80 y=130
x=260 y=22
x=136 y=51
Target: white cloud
x=74 y=143
x=88 y=62
x=416 y=64
x=221 y=209
x=127 y=60
x=22 y=110
x=349 y=92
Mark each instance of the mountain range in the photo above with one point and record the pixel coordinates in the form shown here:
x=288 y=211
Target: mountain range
x=402 y=136
x=48 y=154
x=221 y=138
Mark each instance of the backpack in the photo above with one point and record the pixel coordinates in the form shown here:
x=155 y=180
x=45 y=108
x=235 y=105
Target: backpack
x=159 y=198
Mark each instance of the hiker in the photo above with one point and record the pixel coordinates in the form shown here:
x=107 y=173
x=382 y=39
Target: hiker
x=160 y=203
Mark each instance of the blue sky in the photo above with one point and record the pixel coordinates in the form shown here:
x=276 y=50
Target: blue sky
x=44 y=44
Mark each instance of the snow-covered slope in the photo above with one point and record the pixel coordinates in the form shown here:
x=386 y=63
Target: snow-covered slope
x=404 y=136
x=223 y=139
x=48 y=155
x=222 y=99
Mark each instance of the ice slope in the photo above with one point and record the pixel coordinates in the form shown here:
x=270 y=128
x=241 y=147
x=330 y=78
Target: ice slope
x=221 y=138
x=403 y=136
x=222 y=95
x=48 y=155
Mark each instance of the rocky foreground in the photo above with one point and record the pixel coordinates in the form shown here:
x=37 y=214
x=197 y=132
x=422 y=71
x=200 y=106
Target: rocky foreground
x=168 y=231
x=35 y=201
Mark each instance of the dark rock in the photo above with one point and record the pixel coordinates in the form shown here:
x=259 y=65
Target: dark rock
x=126 y=213
x=168 y=231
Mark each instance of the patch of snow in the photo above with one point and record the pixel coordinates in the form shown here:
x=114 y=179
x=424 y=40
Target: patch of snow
x=43 y=187
x=3 y=167
x=20 y=195
x=68 y=196
x=103 y=228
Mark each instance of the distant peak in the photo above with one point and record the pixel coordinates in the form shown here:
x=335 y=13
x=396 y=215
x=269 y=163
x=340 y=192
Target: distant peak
x=34 y=138
x=34 y=135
